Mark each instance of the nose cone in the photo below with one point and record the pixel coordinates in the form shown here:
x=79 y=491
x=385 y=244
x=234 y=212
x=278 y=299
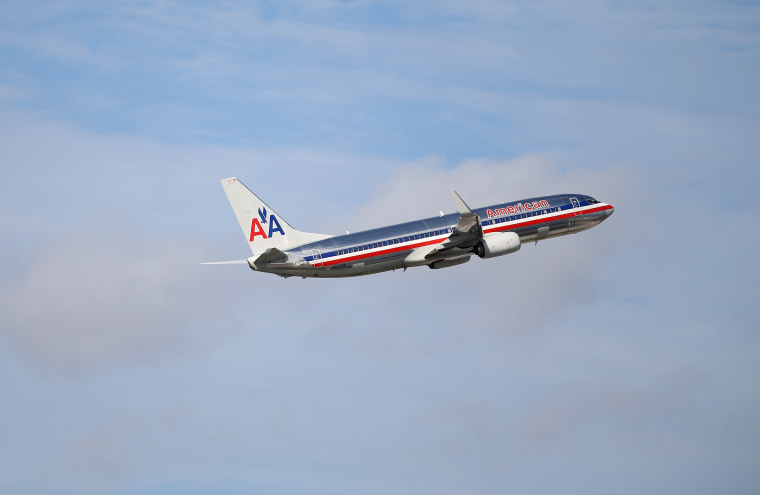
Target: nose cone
x=609 y=211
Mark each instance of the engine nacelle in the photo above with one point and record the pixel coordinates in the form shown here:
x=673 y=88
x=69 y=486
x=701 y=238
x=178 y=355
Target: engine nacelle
x=498 y=244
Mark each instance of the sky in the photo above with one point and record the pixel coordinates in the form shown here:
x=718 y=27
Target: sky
x=619 y=360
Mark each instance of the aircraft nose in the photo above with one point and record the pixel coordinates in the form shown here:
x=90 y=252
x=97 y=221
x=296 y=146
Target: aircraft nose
x=610 y=211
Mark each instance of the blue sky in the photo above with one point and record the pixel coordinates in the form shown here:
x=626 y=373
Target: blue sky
x=620 y=360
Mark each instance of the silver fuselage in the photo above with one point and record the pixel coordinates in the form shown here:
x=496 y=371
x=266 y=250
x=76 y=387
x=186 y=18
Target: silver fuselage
x=387 y=248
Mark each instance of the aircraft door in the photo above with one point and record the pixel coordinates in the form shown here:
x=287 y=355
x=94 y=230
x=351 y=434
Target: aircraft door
x=317 y=258
x=576 y=210
x=576 y=205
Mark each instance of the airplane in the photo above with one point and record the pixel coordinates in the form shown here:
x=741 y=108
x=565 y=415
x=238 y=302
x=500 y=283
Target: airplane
x=437 y=242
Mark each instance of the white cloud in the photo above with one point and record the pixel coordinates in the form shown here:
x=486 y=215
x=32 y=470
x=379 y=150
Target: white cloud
x=106 y=297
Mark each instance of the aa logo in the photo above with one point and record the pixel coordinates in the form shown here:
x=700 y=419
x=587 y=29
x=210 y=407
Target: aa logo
x=257 y=228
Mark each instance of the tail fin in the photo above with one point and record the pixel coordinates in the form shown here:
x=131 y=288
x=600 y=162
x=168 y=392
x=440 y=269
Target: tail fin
x=262 y=227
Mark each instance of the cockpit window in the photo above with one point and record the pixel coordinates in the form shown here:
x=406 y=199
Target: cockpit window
x=592 y=201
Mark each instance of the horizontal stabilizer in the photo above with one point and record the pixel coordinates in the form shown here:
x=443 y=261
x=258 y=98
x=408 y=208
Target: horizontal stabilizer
x=234 y=262
x=270 y=255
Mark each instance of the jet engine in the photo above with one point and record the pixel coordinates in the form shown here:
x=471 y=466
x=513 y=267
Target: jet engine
x=498 y=244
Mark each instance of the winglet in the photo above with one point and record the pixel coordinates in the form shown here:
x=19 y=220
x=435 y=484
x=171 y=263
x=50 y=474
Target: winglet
x=462 y=207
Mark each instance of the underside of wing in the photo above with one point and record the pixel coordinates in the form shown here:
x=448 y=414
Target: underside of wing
x=460 y=244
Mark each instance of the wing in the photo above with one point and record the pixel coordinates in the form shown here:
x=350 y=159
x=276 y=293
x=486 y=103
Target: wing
x=468 y=231
x=467 y=234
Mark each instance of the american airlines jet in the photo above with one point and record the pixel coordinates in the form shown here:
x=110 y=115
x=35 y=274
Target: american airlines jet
x=437 y=242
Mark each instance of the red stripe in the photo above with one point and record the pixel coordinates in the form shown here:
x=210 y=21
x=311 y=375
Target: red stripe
x=409 y=247
x=406 y=247
x=545 y=219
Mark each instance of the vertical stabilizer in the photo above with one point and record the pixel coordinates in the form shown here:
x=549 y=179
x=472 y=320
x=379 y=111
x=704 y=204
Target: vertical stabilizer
x=262 y=226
